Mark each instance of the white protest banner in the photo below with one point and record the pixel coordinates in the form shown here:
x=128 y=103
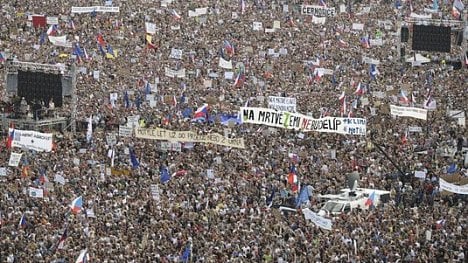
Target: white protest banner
x=408 y=112
x=420 y=174
x=282 y=103
x=188 y=136
x=319 y=221
x=323 y=71
x=319 y=20
x=198 y=12
x=31 y=140
x=125 y=131
x=320 y=11
x=414 y=129
x=457 y=189
x=60 y=41
x=358 y=26
x=224 y=63
x=150 y=28
x=376 y=42
x=36 y=192
x=297 y=121
x=14 y=159
x=417 y=16
x=176 y=53
x=59 y=179
x=370 y=61
x=171 y=146
x=257 y=26
x=90 y=9
x=3 y=171
x=175 y=73
x=456 y=114
x=52 y=20
x=132 y=121
x=155 y=192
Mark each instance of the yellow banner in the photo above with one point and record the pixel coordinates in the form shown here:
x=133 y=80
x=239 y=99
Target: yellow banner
x=188 y=136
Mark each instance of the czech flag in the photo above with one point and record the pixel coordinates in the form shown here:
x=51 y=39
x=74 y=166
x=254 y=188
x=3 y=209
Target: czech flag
x=77 y=205
x=64 y=236
x=52 y=31
x=2 y=58
x=365 y=42
x=322 y=3
x=370 y=200
x=229 y=47
x=403 y=98
x=359 y=90
x=175 y=15
x=201 y=114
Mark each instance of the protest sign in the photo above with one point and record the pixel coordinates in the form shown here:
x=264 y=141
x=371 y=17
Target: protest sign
x=420 y=174
x=125 y=131
x=171 y=146
x=320 y=11
x=175 y=73
x=176 y=53
x=257 y=26
x=36 y=192
x=3 y=171
x=371 y=61
x=282 y=103
x=457 y=189
x=288 y=120
x=319 y=20
x=155 y=192
x=150 y=28
x=52 y=20
x=14 y=159
x=358 y=26
x=188 y=136
x=224 y=63
x=408 y=112
x=91 y=9
x=32 y=140
x=319 y=221
x=60 y=41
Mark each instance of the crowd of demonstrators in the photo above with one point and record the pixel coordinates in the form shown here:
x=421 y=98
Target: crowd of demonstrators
x=215 y=207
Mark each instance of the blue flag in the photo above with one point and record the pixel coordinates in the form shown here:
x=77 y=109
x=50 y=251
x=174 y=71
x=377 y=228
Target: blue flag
x=452 y=168
x=187 y=113
x=164 y=175
x=133 y=159
x=126 y=100
x=42 y=38
x=225 y=118
x=186 y=254
x=303 y=196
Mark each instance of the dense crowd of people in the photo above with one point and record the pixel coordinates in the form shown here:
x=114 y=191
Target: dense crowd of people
x=221 y=203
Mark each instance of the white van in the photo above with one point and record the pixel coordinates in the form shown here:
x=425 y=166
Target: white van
x=349 y=200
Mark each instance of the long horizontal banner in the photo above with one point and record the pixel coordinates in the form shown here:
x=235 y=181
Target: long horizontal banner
x=90 y=9
x=188 y=136
x=408 y=112
x=288 y=120
x=31 y=140
x=319 y=11
x=457 y=189
x=319 y=221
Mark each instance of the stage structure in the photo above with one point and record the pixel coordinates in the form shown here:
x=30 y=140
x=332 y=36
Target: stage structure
x=39 y=85
x=432 y=35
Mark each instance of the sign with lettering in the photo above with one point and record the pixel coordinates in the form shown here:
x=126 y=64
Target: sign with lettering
x=188 y=136
x=316 y=10
x=32 y=140
x=91 y=9
x=296 y=121
x=282 y=103
x=408 y=112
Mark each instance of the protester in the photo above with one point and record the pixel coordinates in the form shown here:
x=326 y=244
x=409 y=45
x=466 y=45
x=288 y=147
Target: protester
x=145 y=200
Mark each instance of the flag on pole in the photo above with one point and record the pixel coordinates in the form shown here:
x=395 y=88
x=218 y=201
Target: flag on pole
x=83 y=257
x=77 y=205
x=61 y=242
x=22 y=222
x=133 y=159
x=89 y=132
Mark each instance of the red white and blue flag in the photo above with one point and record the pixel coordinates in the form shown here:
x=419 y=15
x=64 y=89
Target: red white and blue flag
x=201 y=114
x=77 y=205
